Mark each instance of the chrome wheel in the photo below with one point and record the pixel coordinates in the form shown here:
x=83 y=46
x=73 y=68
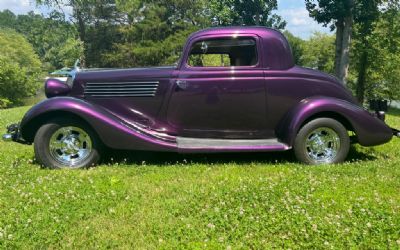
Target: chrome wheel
x=70 y=146
x=322 y=145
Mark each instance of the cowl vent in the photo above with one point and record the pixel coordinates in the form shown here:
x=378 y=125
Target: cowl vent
x=121 y=89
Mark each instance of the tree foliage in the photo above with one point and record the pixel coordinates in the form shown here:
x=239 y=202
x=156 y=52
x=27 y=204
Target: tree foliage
x=377 y=56
x=102 y=32
x=318 y=52
x=48 y=36
x=297 y=46
x=18 y=50
x=155 y=31
x=341 y=15
x=252 y=12
x=119 y=33
x=20 y=68
x=97 y=24
x=64 y=55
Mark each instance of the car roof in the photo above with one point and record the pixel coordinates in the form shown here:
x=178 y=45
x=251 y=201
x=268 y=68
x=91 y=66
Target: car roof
x=276 y=49
x=259 y=30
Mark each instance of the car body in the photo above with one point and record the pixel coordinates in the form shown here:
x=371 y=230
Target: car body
x=234 y=89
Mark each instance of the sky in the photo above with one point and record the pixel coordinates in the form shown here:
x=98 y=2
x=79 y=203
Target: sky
x=298 y=21
x=293 y=11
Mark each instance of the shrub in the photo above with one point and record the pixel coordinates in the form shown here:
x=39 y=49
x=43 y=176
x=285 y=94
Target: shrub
x=15 y=84
x=20 y=69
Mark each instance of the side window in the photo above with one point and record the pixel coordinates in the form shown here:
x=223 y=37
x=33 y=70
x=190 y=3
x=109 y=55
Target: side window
x=226 y=52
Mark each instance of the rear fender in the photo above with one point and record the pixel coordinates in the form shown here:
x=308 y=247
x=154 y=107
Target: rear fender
x=112 y=131
x=370 y=131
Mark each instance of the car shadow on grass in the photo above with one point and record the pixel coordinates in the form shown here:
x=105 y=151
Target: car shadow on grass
x=163 y=158
x=166 y=159
x=355 y=155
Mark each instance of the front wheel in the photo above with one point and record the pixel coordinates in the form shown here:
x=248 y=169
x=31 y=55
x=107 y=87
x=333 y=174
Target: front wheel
x=62 y=144
x=322 y=141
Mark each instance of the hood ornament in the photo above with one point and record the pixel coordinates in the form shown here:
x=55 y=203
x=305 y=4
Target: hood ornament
x=77 y=65
x=75 y=69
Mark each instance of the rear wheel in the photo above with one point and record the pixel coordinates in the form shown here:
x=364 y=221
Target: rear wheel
x=62 y=144
x=322 y=141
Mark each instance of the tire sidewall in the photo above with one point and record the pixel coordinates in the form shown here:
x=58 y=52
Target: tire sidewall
x=42 y=142
x=300 y=141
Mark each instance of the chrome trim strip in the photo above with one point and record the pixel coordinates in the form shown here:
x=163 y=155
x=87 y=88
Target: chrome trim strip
x=185 y=142
x=112 y=83
x=122 y=87
x=123 y=95
x=125 y=89
x=120 y=93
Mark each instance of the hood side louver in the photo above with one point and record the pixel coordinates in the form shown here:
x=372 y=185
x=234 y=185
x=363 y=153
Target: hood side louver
x=121 y=89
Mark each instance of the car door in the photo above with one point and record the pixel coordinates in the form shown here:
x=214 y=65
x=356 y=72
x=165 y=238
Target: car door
x=220 y=89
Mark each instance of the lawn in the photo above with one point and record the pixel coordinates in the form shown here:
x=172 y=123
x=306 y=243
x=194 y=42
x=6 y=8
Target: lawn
x=229 y=201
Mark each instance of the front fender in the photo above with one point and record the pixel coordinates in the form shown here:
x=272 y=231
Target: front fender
x=112 y=131
x=370 y=131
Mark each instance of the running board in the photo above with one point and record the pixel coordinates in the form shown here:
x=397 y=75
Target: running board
x=229 y=145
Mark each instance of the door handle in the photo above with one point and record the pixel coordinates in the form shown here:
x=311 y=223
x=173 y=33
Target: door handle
x=182 y=84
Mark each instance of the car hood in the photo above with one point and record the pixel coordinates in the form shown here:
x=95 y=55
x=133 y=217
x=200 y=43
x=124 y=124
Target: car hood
x=117 y=75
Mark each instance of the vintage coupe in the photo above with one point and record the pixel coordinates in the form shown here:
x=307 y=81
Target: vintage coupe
x=234 y=89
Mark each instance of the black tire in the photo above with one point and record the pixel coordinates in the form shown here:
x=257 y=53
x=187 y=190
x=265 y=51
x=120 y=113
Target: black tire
x=305 y=153
x=47 y=159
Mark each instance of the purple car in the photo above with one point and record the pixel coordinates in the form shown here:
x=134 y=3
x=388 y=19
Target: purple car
x=235 y=89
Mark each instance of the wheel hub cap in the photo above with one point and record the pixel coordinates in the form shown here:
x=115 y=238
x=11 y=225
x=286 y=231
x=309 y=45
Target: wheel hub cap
x=70 y=146
x=322 y=145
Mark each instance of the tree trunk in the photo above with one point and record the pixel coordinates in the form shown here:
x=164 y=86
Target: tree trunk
x=82 y=34
x=338 y=50
x=257 y=19
x=362 y=76
x=344 y=29
x=343 y=68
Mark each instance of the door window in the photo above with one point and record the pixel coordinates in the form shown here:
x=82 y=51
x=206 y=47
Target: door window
x=226 y=52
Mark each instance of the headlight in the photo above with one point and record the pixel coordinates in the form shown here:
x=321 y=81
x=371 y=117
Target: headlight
x=55 y=87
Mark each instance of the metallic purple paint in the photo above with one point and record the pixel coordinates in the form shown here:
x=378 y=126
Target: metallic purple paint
x=113 y=131
x=370 y=131
x=271 y=100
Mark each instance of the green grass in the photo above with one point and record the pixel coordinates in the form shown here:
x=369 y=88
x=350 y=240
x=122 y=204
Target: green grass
x=233 y=201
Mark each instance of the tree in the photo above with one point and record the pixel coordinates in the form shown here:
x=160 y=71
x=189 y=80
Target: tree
x=155 y=31
x=46 y=44
x=66 y=54
x=80 y=14
x=318 y=52
x=252 y=12
x=297 y=45
x=363 y=29
x=341 y=15
x=102 y=32
x=17 y=49
x=377 y=56
x=20 y=68
x=96 y=22
x=7 y=19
